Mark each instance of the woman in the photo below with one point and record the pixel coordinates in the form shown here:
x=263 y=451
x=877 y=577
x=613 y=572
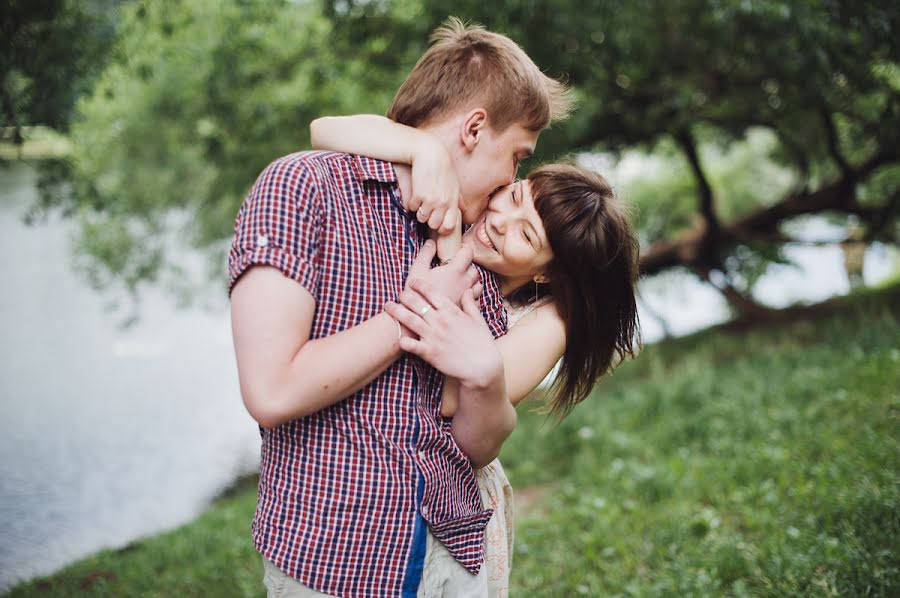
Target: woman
x=564 y=255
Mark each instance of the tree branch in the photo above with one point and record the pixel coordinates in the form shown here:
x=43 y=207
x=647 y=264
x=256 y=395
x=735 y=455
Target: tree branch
x=833 y=142
x=740 y=301
x=707 y=208
x=687 y=249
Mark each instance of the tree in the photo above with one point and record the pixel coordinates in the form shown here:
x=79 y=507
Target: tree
x=202 y=95
x=823 y=78
x=51 y=51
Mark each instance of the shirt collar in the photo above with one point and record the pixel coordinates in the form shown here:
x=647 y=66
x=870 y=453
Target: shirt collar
x=370 y=169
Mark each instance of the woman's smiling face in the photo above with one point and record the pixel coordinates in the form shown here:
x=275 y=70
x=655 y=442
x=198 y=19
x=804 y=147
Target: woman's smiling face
x=509 y=237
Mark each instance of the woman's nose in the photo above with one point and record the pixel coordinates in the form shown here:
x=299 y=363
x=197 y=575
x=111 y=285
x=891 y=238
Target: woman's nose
x=499 y=223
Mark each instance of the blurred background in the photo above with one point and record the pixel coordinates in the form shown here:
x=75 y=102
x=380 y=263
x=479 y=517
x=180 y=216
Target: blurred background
x=756 y=142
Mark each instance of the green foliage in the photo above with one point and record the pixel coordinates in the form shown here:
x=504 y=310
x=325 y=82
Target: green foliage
x=724 y=464
x=197 y=99
x=200 y=96
x=50 y=52
x=663 y=192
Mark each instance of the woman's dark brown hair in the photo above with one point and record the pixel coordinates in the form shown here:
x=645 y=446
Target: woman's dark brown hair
x=592 y=277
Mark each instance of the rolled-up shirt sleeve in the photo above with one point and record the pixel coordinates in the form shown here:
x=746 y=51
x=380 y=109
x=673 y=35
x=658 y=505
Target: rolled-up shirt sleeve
x=280 y=224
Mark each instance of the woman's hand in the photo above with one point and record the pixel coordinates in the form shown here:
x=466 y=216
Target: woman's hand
x=457 y=342
x=435 y=187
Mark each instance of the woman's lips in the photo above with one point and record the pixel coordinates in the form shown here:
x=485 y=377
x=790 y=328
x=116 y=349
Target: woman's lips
x=481 y=233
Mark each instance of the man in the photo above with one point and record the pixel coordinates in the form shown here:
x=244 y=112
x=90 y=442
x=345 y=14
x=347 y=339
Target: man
x=359 y=473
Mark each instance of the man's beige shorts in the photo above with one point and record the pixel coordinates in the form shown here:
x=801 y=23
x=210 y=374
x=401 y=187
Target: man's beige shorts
x=442 y=575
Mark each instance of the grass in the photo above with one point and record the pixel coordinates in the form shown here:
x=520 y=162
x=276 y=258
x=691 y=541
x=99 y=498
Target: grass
x=212 y=556
x=759 y=463
x=723 y=464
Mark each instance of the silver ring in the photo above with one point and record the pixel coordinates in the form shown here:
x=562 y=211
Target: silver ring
x=424 y=310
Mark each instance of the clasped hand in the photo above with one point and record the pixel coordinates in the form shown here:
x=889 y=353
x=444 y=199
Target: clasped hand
x=439 y=308
x=435 y=189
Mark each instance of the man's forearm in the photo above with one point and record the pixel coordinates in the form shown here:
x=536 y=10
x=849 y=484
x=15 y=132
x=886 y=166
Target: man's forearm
x=324 y=371
x=484 y=419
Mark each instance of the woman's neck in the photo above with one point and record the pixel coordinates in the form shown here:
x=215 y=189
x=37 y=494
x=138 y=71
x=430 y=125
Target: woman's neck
x=509 y=284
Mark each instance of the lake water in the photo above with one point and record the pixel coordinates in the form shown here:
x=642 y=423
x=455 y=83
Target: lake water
x=109 y=435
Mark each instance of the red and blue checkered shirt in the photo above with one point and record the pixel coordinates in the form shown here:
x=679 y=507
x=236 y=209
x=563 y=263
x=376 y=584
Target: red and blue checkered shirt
x=344 y=493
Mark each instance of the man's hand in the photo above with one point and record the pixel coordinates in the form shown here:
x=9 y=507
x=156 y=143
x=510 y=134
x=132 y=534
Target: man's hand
x=458 y=343
x=449 y=281
x=455 y=341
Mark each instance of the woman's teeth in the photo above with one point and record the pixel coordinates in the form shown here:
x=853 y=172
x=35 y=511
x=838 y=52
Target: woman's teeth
x=482 y=234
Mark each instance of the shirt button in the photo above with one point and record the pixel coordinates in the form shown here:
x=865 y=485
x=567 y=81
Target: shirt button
x=262 y=241
x=424 y=510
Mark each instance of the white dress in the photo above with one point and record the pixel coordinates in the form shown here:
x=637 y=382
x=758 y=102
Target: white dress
x=497 y=494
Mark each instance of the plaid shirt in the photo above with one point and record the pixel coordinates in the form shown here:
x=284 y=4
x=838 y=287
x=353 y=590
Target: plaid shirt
x=343 y=493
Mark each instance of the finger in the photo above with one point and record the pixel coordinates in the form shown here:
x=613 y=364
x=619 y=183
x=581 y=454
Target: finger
x=477 y=290
x=415 y=302
x=411 y=345
x=414 y=203
x=449 y=223
x=469 y=306
x=447 y=246
x=428 y=292
x=407 y=318
x=423 y=213
x=473 y=275
x=422 y=263
x=463 y=258
x=436 y=218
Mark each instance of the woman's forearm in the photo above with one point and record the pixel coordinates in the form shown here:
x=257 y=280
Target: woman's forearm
x=484 y=420
x=529 y=350
x=371 y=135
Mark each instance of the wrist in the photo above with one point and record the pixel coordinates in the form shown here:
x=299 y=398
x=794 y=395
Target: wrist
x=399 y=330
x=429 y=149
x=488 y=378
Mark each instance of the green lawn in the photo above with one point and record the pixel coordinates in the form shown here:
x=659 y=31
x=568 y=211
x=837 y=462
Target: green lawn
x=725 y=464
x=759 y=463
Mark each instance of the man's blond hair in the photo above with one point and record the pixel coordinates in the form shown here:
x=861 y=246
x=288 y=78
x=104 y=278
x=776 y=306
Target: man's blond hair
x=468 y=67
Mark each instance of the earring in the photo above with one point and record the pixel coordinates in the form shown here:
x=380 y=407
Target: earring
x=535 y=291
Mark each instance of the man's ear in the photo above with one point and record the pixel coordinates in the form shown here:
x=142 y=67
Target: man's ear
x=472 y=128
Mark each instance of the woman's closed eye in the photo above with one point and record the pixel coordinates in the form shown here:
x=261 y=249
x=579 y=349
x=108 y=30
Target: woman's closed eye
x=528 y=237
